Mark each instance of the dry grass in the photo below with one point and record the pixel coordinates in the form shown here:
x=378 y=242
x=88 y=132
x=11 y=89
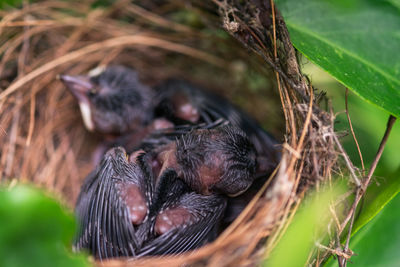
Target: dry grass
x=43 y=140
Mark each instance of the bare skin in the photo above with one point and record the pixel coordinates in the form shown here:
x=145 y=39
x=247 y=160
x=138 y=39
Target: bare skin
x=184 y=109
x=171 y=218
x=135 y=202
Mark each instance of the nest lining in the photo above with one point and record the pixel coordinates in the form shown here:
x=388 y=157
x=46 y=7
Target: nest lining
x=44 y=140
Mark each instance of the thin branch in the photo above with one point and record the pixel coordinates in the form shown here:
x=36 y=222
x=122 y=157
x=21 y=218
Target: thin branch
x=352 y=130
x=389 y=127
x=31 y=119
x=346 y=246
x=347 y=160
x=361 y=190
x=333 y=251
x=156 y=19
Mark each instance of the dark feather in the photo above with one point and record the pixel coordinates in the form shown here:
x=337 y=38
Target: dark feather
x=104 y=221
x=206 y=213
x=166 y=136
x=213 y=107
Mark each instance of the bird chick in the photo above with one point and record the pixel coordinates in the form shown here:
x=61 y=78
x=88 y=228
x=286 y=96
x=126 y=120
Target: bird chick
x=219 y=160
x=114 y=102
x=114 y=200
x=123 y=213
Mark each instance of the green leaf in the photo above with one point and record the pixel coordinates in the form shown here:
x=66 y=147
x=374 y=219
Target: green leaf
x=378 y=242
x=395 y=3
x=377 y=197
x=357 y=42
x=35 y=230
x=384 y=233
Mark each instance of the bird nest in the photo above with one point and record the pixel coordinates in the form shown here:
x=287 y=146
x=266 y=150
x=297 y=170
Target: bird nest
x=239 y=48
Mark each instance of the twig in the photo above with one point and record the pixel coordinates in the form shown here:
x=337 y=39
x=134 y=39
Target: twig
x=389 y=127
x=110 y=43
x=346 y=246
x=276 y=72
x=13 y=137
x=284 y=76
x=352 y=130
x=337 y=235
x=28 y=23
x=362 y=189
x=31 y=119
x=334 y=251
x=347 y=160
x=292 y=120
x=156 y=19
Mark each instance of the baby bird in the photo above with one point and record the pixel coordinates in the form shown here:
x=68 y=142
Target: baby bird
x=122 y=213
x=115 y=103
x=186 y=144
x=219 y=160
x=114 y=200
x=112 y=100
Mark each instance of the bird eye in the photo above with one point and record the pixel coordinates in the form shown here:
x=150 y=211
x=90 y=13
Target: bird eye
x=92 y=92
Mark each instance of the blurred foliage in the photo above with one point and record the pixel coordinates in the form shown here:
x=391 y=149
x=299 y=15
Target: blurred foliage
x=377 y=243
x=357 y=42
x=377 y=196
x=35 y=230
x=369 y=124
x=102 y=3
x=5 y=3
x=188 y=18
x=395 y=3
x=307 y=226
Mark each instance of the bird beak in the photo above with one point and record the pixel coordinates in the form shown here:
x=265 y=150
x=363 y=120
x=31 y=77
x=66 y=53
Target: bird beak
x=79 y=86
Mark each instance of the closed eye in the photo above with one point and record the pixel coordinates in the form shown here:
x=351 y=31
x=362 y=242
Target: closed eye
x=93 y=92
